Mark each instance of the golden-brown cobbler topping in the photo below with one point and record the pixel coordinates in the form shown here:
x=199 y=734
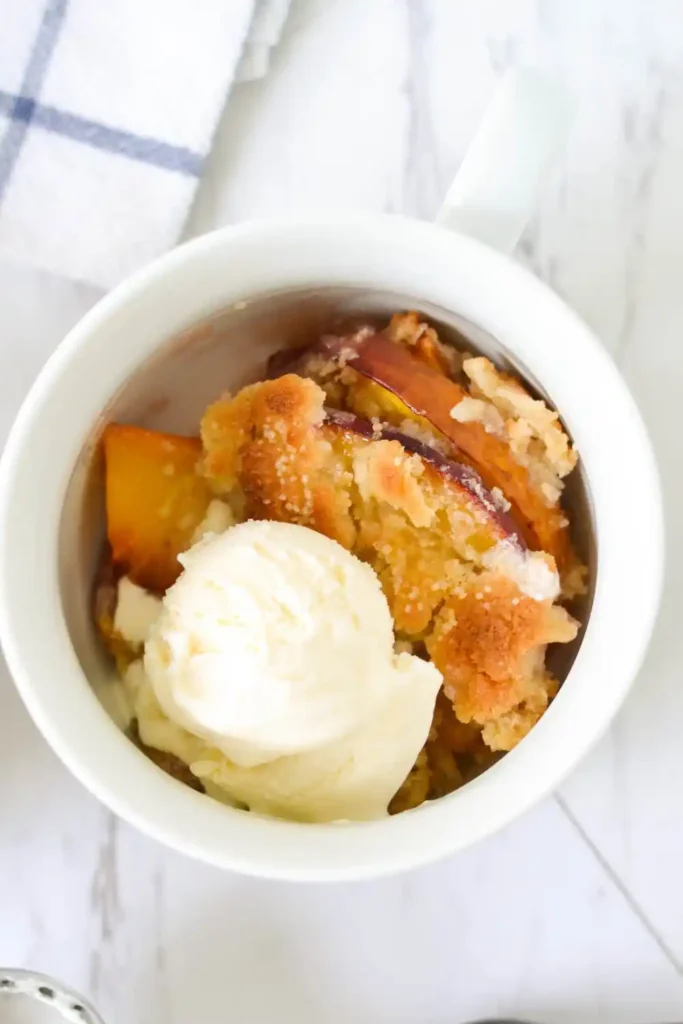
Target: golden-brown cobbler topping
x=271 y=450
x=489 y=643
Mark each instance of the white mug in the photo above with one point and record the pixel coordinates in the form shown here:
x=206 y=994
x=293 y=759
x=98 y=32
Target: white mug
x=202 y=319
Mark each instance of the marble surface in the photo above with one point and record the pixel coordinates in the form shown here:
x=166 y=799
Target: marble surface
x=574 y=913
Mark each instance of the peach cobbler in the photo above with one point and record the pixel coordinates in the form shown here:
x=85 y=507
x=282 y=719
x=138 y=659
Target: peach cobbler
x=392 y=647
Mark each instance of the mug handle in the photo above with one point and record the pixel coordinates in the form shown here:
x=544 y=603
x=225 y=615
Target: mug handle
x=497 y=185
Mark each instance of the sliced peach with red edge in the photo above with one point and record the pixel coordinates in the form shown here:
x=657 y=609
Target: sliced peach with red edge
x=456 y=475
x=155 y=500
x=427 y=351
x=370 y=398
x=429 y=394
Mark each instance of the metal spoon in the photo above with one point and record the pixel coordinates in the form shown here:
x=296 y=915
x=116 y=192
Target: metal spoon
x=30 y=998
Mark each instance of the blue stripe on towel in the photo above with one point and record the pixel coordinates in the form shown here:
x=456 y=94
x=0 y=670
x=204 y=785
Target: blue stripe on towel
x=23 y=110
x=23 y=107
x=100 y=136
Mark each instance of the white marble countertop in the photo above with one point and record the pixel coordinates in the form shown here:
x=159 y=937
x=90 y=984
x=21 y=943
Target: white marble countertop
x=575 y=913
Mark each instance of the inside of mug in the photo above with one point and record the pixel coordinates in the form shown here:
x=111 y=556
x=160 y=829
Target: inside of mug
x=170 y=390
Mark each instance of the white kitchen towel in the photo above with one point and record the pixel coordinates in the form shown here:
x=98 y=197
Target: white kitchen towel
x=107 y=111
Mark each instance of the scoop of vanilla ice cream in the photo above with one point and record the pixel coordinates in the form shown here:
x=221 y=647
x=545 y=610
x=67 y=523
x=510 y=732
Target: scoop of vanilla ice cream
x=353 y=778
x=276 y=641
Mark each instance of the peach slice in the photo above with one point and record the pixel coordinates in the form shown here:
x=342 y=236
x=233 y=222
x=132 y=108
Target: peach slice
x=322 y=360
x=419 y=516
x=427 y=352
x=453 y=475
x=155 y=500
x=430 y=394
x=410 y=330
